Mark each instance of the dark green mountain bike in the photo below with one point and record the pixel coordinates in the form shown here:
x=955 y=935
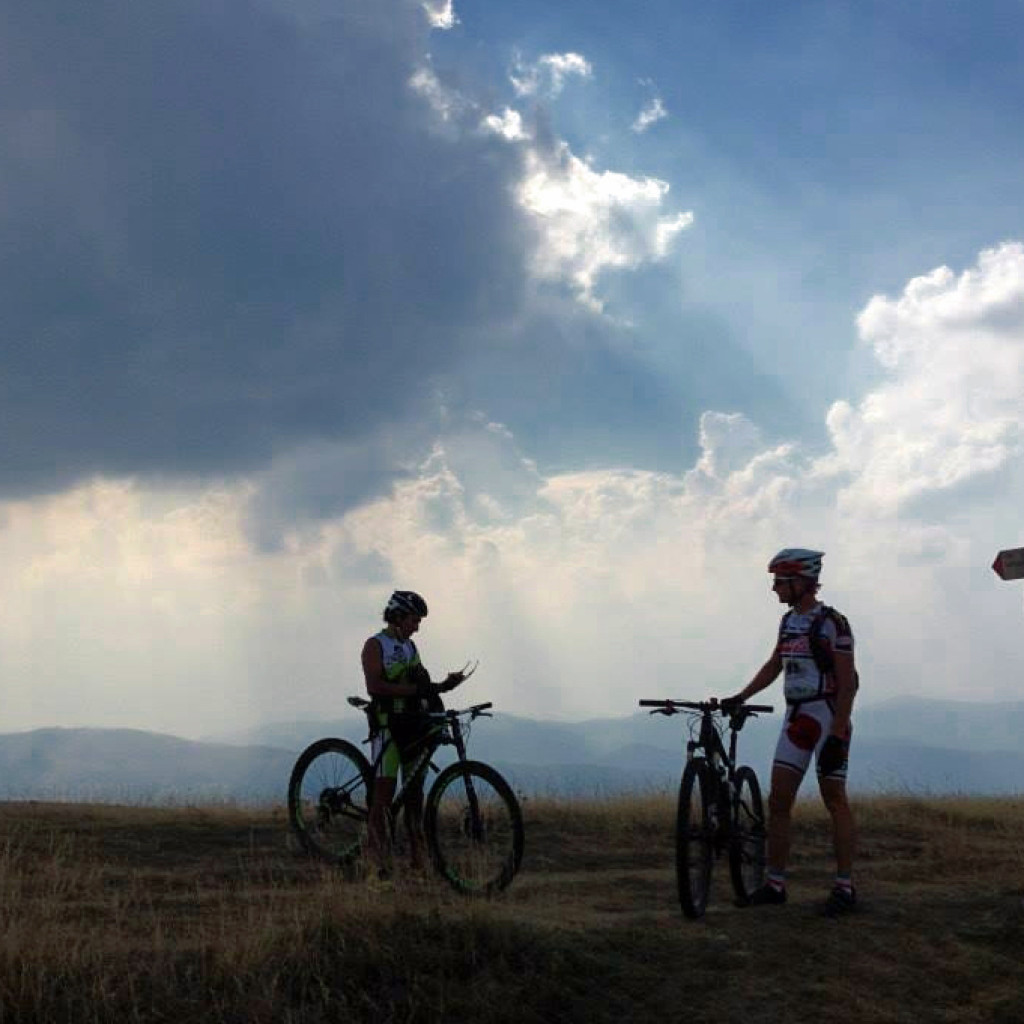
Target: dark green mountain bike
x=471 y=819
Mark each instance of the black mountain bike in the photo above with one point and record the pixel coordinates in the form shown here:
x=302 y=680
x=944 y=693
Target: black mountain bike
x=471 y=819
x=720 y=807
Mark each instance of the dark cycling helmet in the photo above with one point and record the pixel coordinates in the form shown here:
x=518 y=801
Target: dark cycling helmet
x=406 y=602
x=791 y=562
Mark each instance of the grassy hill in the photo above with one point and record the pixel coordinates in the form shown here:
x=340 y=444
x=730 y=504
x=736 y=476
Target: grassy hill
x=114 y=913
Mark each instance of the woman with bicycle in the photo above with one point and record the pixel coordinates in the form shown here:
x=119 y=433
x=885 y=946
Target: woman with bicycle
x=400 y=691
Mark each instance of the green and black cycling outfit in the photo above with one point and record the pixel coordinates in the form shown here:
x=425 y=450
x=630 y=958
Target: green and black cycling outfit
x=399 y=725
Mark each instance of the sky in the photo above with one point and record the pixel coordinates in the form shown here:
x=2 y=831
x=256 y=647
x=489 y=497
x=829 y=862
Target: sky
x=567 y=317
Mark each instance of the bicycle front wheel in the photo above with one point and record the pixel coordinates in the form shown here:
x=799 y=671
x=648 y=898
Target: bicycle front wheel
x=328 y=800
x=474 y=828
x=749 y=836
x=695 y=838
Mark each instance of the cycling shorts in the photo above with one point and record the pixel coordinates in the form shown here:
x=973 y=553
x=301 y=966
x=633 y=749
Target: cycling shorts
x=804 y=731
x=398 y=742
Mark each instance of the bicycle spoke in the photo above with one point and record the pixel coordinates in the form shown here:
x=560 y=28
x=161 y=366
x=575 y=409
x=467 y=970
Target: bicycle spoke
x=327 y=801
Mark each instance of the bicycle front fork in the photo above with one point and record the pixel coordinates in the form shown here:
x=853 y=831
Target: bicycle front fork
x=721 y=806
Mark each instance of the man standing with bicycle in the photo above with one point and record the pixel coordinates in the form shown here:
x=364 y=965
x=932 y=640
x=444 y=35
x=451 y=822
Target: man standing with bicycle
x=401 y=692
x=815 y=650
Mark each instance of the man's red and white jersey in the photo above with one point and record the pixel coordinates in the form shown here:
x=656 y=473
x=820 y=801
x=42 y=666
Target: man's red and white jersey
x=804 y=680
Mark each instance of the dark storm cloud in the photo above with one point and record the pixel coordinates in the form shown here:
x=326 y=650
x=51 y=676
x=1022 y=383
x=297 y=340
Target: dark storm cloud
x=224 y=229
x=321 y=480
x=230 y=230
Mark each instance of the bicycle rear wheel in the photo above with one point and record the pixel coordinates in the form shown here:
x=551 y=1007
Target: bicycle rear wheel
x=749 y=836
x=474 y=828
x=328 y=800
x=695 y=838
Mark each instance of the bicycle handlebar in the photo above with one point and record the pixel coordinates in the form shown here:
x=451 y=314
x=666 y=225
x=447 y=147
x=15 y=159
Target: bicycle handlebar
x=476 y=709
x=670 y=707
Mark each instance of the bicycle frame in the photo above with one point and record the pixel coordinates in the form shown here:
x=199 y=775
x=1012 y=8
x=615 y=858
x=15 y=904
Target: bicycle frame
x=448 y=730
x=721 y=761
x=709 y=740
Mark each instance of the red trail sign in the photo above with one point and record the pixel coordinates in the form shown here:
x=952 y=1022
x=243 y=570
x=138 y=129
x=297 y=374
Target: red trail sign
x=1009 y=564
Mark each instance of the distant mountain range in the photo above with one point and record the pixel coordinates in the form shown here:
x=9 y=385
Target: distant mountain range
x=906 y=746
x=133 y=766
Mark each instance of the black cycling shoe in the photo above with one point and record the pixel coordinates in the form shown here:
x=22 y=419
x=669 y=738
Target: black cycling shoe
x=840 y=901
x=767 y=896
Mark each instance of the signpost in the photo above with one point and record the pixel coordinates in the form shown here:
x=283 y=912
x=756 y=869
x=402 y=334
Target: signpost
x=1009 y=564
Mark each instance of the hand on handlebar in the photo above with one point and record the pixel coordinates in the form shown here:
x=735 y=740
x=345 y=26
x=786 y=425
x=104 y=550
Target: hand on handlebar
x=728 y=704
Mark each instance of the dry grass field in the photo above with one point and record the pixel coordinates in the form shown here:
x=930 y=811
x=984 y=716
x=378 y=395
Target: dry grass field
x=163 y=914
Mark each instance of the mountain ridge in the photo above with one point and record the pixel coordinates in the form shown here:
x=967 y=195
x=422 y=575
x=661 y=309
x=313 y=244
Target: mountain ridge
x=969 y=747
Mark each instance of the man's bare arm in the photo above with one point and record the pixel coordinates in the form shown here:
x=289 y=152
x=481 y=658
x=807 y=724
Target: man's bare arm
x=846 y=688
x=765 y=676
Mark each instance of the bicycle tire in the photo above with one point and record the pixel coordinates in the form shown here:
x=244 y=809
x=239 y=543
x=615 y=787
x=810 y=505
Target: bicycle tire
x=474 y=828
x=695 y=838
x=328 y=800
x=748 y=838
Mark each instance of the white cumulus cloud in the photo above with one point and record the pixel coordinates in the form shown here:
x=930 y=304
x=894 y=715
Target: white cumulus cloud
x=440 y=13
x=508 y=124
x=652 y=112
x=448 y=104
x=592 y=221
x=547 y=76
x=952 y=410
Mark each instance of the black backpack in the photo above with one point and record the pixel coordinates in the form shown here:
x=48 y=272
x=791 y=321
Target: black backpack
x=821 y=649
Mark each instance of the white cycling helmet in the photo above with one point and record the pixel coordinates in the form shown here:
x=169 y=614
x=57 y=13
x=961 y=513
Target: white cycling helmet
x=790 y=562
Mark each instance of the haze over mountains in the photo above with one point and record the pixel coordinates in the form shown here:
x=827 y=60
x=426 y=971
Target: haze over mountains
x=912 y=745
